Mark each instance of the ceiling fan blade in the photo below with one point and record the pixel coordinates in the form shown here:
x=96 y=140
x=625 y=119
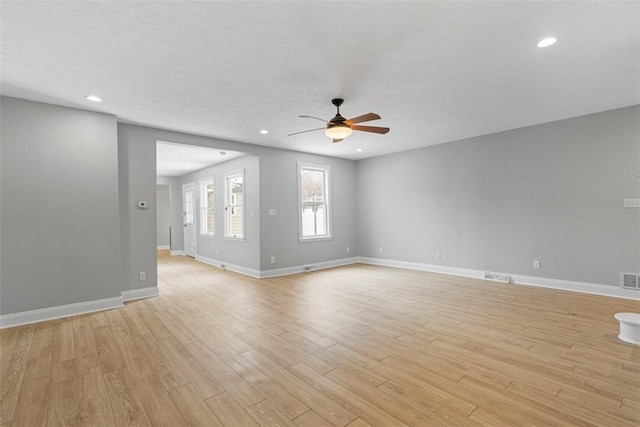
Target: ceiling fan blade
x=337 y=140
x=306 y=116
x=305 y=131
x=374 y=129
x=363 y=118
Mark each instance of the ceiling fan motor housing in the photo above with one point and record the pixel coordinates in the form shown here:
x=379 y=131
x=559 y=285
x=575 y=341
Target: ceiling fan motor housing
x=338 y=119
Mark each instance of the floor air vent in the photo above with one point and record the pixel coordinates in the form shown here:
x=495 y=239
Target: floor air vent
x=497 y=277
x=629 y=281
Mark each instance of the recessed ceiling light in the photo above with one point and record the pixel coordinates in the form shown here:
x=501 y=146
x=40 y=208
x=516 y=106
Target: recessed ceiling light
x=264 y=131
x=547 y=42
x=359 y=150
x=93 y=98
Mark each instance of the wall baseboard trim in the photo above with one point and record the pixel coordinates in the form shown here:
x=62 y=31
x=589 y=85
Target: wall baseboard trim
x=163 y=247
x=231 y=267
x=583 y=287
x=516 y=279
x=276 y=272
x=264 y=274
x=443 y=269
x=133 y=294
x=174 y=253
x=50 y=313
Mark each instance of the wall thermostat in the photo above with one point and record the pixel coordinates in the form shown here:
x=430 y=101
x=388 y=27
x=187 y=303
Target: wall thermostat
x=143 y=205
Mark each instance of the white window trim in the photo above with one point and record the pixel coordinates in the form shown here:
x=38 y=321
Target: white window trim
x=203 y=218
x=327 y=171
x=226 y=205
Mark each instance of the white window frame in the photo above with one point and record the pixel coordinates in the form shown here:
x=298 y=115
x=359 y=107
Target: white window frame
x=326 y=169
x=231 y=204
x=205 y=207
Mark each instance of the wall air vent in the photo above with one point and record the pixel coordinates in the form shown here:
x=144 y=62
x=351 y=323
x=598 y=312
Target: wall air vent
x=630 y=281
x=497 y=277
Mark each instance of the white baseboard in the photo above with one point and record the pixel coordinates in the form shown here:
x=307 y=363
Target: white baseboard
x=40 y=315
x=278 y=271
x=134 y=294
x=231 y=267
x=453 y=271
x=301 y=268
x=176 y=253
x=51 y=313
x=163 y=247
x=585 y=288
x=516 y=279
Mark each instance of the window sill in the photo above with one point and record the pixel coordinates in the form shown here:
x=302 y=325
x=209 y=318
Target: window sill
x=315 y=239
x=210 y=236
x=237 y=239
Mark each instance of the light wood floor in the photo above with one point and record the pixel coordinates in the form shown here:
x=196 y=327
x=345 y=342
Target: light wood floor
x=357 y=346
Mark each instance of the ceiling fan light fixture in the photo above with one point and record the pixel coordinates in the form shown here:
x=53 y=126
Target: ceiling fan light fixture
x=338 y=131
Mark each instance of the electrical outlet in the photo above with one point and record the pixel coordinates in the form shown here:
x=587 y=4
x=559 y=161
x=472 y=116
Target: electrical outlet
x=380 y=250
x=273 y=260
x=438 y=255
x=348 y=249
x=143 y=275
x=536 y=264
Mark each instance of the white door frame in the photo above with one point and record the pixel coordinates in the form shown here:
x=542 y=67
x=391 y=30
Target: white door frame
x=189 y=227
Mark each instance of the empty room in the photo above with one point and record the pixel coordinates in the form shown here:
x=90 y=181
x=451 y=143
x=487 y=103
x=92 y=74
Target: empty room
x=320 y=213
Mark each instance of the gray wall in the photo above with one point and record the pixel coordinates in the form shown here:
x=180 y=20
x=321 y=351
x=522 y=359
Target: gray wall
x=137 y=173
x=279 y=190
x=245 y=253
x=552 y=192
x=59 y=199
x=163 y=202
x=70 y=181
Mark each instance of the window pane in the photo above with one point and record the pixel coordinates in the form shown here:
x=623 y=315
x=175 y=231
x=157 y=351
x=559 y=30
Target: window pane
x=207 y=209
x=312 y=185
x=237 y=221
x=314 y=201
x=235 y=206
x=314 y=219
x=188 y=208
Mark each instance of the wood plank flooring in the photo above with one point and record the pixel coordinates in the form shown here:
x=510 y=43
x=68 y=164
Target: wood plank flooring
x=353 y=346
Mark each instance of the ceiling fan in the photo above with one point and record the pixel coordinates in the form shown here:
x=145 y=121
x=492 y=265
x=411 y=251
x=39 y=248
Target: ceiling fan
x=339 y=128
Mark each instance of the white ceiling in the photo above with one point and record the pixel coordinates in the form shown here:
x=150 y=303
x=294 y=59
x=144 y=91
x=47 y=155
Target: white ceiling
x=435 y=71
x=178 y=159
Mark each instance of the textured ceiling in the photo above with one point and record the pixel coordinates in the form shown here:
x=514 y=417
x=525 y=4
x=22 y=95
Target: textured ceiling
x=434 y=71
x=178 y=159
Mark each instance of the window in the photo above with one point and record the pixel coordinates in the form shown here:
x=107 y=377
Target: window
x=207 y=197
x=313 y=193
x=234 y=217
x=188 y=206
